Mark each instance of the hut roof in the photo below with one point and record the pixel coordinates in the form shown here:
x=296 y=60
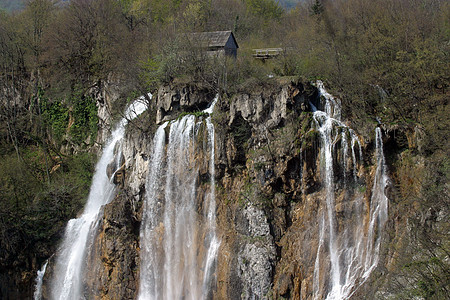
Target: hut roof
x=213 y=38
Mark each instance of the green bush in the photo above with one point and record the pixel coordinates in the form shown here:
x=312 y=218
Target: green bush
x=55 y=115
x=33 y=211
x=85 y=119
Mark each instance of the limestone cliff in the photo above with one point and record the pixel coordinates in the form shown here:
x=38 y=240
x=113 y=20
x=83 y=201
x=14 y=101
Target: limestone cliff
x=270 y=193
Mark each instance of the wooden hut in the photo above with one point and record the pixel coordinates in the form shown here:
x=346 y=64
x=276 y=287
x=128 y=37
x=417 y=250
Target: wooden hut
x=216 y=42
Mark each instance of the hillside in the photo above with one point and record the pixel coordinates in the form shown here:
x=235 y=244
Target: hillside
x=296 y=154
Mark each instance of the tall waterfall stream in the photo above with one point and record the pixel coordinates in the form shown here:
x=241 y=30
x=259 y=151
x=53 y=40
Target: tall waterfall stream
x=178 y=239
x=67 y=280
x=347 y=253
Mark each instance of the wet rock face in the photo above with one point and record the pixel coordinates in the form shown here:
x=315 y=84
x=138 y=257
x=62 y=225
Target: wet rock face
x=256 y=257
x=260 y=163
x=116 y=245
x=114 y=256
x=269 y=109
x=106 y=93
x=268 y=194
x=173 y=101
x=136 y=151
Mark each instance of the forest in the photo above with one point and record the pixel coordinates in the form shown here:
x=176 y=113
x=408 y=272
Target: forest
x=388 y=60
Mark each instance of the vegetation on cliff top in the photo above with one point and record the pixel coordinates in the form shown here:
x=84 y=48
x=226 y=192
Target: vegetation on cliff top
x=386 y=59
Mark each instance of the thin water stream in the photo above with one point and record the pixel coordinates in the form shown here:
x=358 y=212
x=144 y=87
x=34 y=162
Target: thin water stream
x=39 y=279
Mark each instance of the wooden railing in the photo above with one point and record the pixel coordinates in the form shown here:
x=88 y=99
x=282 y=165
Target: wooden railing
x=267 y=53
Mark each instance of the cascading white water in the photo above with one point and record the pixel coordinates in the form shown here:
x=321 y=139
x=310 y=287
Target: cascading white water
x=178 y=237
x=332 y=105
x=353 y=142
x=344 y=154
x=378 y=208
x=39 y=278
x=210 y=211
x=351 y=254
x=67 y=280
x=149 y=233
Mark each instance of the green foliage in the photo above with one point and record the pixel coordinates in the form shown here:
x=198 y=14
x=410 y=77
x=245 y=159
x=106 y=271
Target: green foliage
x=251 y=194
x=421 y=266
x=150 y=73
x=197 y=114
x=247 y=75
x=194 y=14
x=55 y=115
x=163 y=67
x=162 y=10
x=286 y=65
x=389 y=58
x=362 y=188
x=247 y=192
x=33 y=212
x=267 y=9
x=241 y=132
x=19 y=186
x=306 y=121
x=77 y=172
x=79 y=120
x=85 y=119
x=317 y=8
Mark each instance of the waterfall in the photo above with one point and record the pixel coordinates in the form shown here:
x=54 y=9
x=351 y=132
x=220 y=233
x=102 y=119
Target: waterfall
x=152 y=207
x=178 y=238
x=67 y=280
x=326 y=133
x=378 y=208
x=213 y=241
x=40 y=276
x=347 y=250
x=355 y=167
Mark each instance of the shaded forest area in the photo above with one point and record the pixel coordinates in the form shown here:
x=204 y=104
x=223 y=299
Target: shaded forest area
x=388 y=61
